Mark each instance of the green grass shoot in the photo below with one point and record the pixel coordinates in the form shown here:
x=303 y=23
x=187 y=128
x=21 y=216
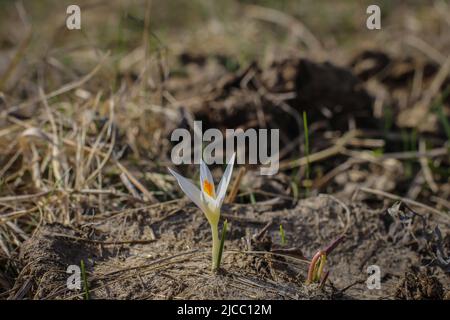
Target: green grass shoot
x=305 y=129
x=282 y=235
x=85 y=282
x=252 y=198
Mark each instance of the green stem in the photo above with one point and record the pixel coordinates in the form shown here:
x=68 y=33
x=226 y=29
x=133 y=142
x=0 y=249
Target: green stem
x=215 y=246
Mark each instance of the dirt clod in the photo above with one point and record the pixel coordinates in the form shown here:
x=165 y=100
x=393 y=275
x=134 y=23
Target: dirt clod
x=419 y=285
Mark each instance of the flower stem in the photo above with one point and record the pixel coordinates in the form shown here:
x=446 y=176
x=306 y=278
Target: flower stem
x=215 y=246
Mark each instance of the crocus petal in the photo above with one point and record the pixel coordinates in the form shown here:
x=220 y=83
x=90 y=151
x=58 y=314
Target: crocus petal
x=210 y=204
x=206 y=180
x=189 y=189
x=223 y=185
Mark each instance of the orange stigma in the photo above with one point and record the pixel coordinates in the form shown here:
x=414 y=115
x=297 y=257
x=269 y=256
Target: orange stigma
x=208 y=188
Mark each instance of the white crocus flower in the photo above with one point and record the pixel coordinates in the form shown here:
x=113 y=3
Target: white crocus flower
x=209 y=200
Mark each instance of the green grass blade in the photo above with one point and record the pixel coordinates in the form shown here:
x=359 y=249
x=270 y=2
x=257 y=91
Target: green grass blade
x=305 y=128
x=85 y=283
x=222 y=242
x=282 y=235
